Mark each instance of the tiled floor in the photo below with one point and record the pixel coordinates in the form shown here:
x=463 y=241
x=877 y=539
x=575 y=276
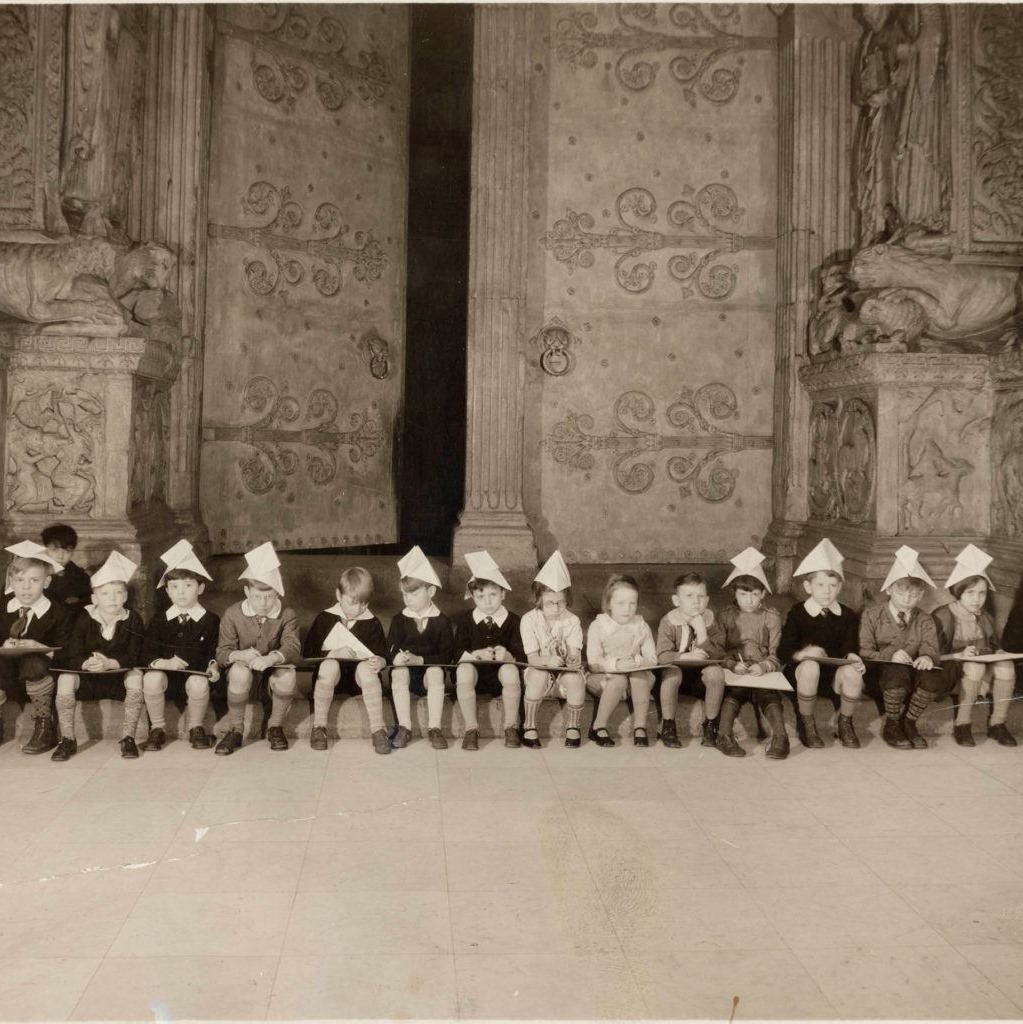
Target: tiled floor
x=593 y=883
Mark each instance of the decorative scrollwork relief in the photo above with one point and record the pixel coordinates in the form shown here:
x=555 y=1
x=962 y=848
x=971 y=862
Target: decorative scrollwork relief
x=54 y=443
x=1007 y=462
x=295 y=45
x=286 y=426
x=698 y=219
x=843 y=460
x=291 y=256
x=701 y=470
x=556 y=342
x=705 y=57
x=998 y=123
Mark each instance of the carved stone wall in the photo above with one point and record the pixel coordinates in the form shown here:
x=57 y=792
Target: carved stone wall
x=306 y=275
x=652 y=236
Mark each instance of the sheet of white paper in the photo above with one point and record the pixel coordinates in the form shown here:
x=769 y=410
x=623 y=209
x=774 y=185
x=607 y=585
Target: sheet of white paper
x=768 y=681
x=340 y=637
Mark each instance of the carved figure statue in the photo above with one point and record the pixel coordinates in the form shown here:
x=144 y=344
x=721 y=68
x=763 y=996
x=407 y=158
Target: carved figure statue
x=962 y=301
x=79 y=280
x=103 y=117
x=922 y=158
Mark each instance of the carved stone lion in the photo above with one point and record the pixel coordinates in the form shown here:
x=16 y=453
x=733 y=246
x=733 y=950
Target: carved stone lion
x=78 y=281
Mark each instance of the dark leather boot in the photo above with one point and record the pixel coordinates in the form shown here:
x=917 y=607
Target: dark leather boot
x=725 y=741
x=806 y=729
x=710 y=732
x=846 y=733
x=44 y=737
x=669 y=734
x=778 y=748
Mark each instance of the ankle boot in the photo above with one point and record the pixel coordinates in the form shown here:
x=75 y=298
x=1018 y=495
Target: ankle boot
x=44 y=736
x=710 y=732
x=846 y=733
x=778 y=748
x=806 y=729
x=725 y=741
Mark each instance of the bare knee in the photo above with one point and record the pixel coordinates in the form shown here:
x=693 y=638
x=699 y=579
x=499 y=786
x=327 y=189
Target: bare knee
x=328 y=673
x=197 y=687
x=849 y=682
x=67 y=684
x=509 y=676
x=282 y=681
x=465 y=675
x=154 y=683
x=434 y=678
x=536 y=681
x=575 y=688
x=808 y=675
x=365 y=676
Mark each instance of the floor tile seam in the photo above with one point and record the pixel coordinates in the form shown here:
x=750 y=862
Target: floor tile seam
x=447 y=886
x=996 y=985
x=594 y=889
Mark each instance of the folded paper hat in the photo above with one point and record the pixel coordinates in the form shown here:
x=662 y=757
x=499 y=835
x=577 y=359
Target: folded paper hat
x=825 y=557
x=416 y=566
x=116 y=569
x=30 y=549
x=906 y=566
x=483 y=567
x=553 y=574
x=971 y=561
x=748 y=563
x=263 y=566
x=181 y=556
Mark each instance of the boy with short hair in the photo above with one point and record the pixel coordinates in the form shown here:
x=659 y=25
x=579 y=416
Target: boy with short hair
x=31 y=620
x=348 y=629
x=258 y=638
x=107 y=635
x=488 y=633
x=183 y=639
x=897 y=631
x=690 y=629
x=752 y=632
x=72 y=587
x=420 y=640
x=821 y=627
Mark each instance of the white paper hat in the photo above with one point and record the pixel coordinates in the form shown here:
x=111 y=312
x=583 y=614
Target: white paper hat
x=748 y=563
x=116 y=569
x=263 y=566
x=554 y=573
x=823 y=558
x=483 y=567
x=30 y=549
x=181 y=556
x=906 y=565
x=971 y=561
x=417 y=566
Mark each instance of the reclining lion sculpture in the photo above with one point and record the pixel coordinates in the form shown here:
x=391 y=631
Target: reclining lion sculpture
x=79 y=281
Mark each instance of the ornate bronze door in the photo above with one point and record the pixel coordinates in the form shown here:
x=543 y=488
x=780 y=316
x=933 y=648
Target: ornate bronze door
x=306 y=275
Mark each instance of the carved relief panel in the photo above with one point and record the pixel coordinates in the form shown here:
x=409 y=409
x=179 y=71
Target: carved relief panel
x=305 y=323
x=843 y=460
x=31 y=115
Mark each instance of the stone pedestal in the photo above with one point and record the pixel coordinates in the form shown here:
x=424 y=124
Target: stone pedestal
x=87 y=440
x=493 y=516
x=919 y=449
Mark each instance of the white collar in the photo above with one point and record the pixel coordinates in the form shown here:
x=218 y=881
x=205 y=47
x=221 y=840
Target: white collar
x=39 y=609
x=335 y=609
x=894 y=612
x=94 y=614
x=499 y=616
x=195 y=613
x=813 y=609
x=431 y=612
x=249 y=611
x=609 y=623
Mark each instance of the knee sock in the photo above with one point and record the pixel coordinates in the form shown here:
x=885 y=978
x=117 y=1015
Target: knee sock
x=198 y=701
x=323 y=694
x=807 y=704
x=236 y=701
x=373 y=699
x=511 y=694
x=40 y=693
x=132 y=710
x=466 y=691
x=964 y=712
x=532 y=707
x=1001 y=691
x=66 y=714
x=918 y=703
x=402 y=703
x=155 y=696
x=669 y=695
x=280 y=702
x=573 y=715
x=435 y=704
x=847 y=706
x=894 y=699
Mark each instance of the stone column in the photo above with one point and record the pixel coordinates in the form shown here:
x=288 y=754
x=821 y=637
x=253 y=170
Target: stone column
x=815 y=221
x=493 y=516
x=174 y=192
